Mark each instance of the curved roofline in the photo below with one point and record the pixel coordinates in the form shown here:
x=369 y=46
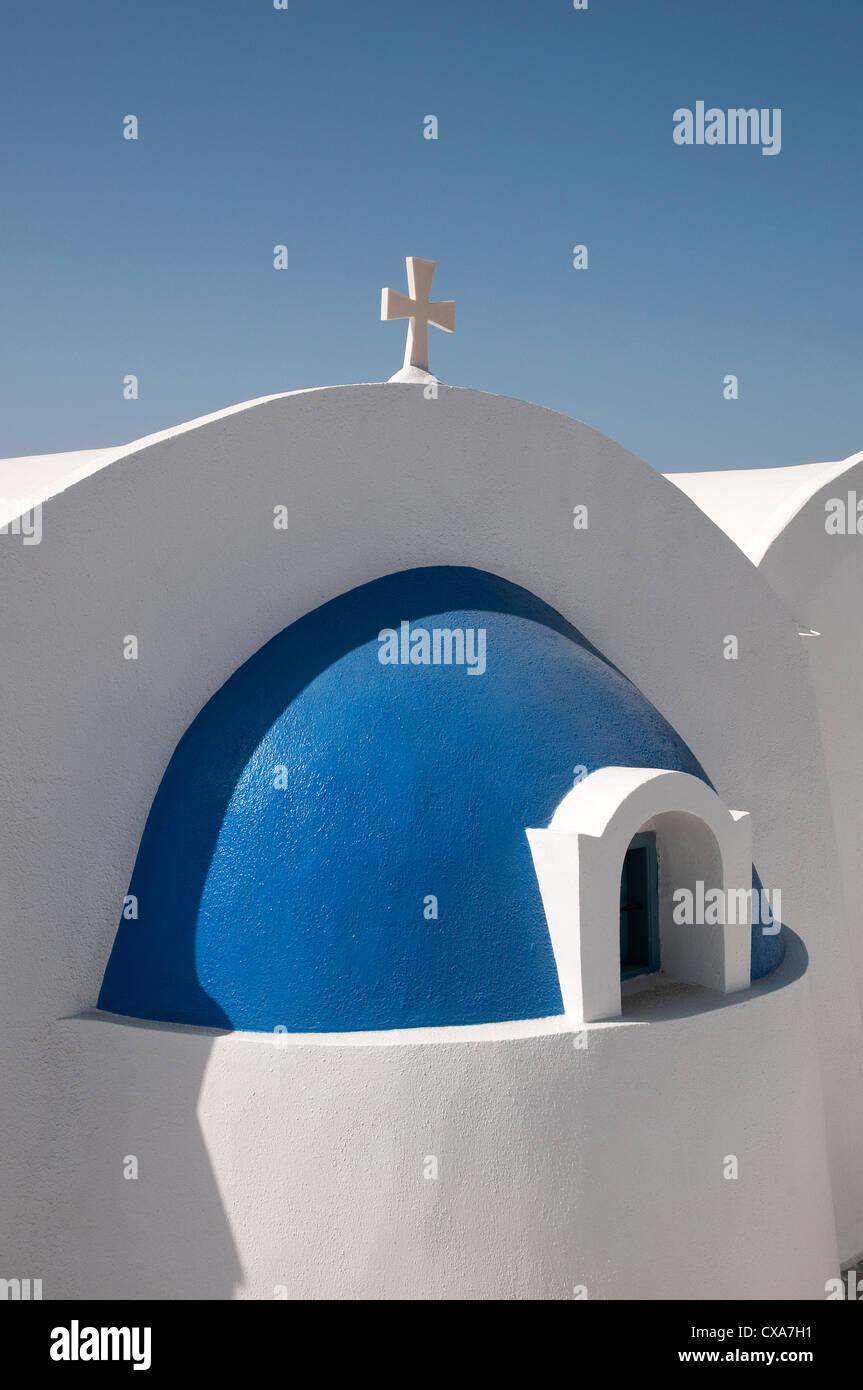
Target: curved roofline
x=55 y=473
x=753 y=506
x=64 y=470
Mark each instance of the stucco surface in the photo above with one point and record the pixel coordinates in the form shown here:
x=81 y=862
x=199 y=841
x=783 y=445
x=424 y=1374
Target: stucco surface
x=778 y=517
x=174 y=542
x=819 y=576
x=563 y=1160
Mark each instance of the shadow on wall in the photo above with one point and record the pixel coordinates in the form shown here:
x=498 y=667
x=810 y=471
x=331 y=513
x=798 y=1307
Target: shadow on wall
x=768 y=935
x=338 y=842
x=677 y=999
x=164 y=1232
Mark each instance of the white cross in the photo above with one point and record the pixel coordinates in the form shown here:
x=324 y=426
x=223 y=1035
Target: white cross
x=420 y=312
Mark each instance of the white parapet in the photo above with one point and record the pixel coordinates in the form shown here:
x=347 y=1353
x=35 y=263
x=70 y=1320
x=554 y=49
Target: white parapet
x=676 y=1153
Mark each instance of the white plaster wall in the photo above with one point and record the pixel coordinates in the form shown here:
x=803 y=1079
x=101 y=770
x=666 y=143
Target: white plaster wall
x=36 y=476
x=558 y=1165
x=777 y=516
x=820 y=578
x=174 y=543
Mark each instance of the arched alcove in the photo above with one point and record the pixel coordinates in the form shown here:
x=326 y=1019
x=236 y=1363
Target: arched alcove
x=689 y=861
x=339 y=841
x=578 y=861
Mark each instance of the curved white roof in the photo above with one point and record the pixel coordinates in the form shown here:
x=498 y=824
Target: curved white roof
x=27 y=481
x=753 y=505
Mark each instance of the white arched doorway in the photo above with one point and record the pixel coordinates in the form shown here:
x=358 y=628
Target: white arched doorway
x=701 y=846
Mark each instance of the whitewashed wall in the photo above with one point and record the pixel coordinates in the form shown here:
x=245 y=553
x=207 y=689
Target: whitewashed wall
x=174 y=542
x=820 y=577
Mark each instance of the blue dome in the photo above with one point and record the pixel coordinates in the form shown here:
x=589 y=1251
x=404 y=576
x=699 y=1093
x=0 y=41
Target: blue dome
x=338 y=842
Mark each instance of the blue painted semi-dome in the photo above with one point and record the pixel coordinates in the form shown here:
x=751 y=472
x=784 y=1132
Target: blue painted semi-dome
x=325 y=805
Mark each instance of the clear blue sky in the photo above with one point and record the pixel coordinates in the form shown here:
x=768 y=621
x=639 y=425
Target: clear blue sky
x=304 y=127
